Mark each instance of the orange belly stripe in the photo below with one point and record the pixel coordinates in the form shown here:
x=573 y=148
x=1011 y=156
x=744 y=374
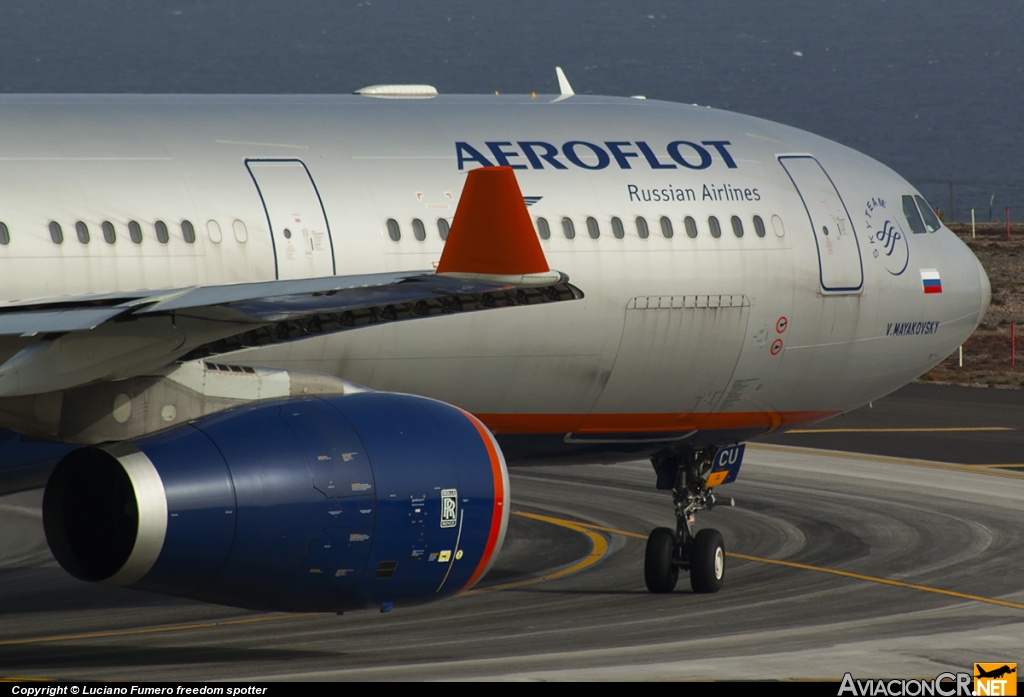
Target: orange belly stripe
x=647 y=423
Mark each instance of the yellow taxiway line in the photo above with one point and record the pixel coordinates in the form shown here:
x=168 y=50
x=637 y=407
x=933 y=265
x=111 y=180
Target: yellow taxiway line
x=837 y=572
x=599 y=548
x=993 y=468
x=876 y=579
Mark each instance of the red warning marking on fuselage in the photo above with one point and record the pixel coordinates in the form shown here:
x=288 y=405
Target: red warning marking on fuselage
x=781 y=325
x=776 y=347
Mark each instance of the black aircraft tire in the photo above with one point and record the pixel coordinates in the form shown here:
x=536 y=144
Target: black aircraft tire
x=659 y=571
x=707 y=561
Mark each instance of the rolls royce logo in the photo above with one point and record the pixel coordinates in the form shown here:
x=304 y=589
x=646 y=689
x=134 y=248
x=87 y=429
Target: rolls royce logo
x=449 y=507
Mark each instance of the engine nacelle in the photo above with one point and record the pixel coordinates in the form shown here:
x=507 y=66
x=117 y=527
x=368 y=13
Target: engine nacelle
x=299 y=504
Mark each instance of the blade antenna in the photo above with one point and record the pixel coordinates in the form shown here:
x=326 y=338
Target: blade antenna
x=563 y=83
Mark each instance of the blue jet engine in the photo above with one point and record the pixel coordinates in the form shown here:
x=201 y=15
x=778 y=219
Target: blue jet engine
x=301 y=504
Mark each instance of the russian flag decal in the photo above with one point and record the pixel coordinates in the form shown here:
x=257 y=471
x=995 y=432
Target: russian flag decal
x=931 y=281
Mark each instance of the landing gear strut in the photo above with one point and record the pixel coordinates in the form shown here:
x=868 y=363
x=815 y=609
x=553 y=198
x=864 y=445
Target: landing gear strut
x=668 y=551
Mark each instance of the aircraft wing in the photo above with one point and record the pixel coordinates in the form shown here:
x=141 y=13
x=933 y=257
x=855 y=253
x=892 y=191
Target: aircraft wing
x=492 y=259
x=365 y=298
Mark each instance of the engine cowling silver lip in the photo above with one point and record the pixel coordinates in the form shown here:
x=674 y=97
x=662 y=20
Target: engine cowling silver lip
x=151 y=501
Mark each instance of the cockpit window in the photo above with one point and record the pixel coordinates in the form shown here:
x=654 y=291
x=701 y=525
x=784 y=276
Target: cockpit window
x=913 y=216
x=930 y=219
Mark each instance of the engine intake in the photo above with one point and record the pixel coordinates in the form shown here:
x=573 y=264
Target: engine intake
x=300 y=504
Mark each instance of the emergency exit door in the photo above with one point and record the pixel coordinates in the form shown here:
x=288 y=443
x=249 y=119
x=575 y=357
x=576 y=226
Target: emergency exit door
x=839 y=261
x=298 y=224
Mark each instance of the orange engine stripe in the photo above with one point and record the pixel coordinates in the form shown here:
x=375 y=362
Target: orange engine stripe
x=499 y=500
x=647 y=423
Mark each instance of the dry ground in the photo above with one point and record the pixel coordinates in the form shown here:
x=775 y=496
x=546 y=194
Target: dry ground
x=987 y=351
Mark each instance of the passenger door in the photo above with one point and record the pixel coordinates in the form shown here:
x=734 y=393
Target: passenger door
x=839 y=261
x=295 y=214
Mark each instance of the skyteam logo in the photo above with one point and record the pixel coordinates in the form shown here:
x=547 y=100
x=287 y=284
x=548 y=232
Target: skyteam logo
x=888 y=239
x=583 y=154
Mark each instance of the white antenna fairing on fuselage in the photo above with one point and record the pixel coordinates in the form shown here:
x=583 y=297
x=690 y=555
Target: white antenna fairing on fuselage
x=563 y=83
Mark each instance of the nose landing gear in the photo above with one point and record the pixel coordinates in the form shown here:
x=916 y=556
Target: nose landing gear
x=668 y=551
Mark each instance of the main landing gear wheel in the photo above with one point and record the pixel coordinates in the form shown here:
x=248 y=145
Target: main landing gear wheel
x=707 y=561
x=668 y=551
x=660 y=569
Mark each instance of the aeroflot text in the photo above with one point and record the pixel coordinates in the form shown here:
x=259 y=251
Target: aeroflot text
x=581 y=154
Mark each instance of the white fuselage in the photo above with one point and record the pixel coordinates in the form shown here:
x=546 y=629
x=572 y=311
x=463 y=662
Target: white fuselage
x=714 y=338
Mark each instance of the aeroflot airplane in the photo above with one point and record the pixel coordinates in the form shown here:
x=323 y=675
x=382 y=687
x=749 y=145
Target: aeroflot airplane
x=297 y=339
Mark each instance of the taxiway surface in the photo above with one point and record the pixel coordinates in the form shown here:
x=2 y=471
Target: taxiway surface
x=948 y=423
x=929 y=579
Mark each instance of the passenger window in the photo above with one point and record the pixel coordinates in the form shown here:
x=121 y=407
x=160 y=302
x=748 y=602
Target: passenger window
x=593 y=229
x=109 y=235
x=241 y=233
x=641 y=228
x=666 y=228
x=913 y=215
x=716 y=229
x=930 y=219
x=443 y=228
x=394 y=232
x=780 y=229
x=418 y=230
x=213 y=231
x=188 y=232
x=135 y=231
x=5 y=234
x=161 y=232
x=691 y=227
x=82 y=230
x=56 y=233
x=568 y=229
x=543 y=229
x=617 y=229
x=759 y=226
x=737 y=226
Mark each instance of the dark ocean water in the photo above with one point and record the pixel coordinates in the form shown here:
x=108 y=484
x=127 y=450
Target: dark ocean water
x=933 y=88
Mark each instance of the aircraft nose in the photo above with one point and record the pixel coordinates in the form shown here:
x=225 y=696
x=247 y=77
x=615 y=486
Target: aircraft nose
x=986 y=291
